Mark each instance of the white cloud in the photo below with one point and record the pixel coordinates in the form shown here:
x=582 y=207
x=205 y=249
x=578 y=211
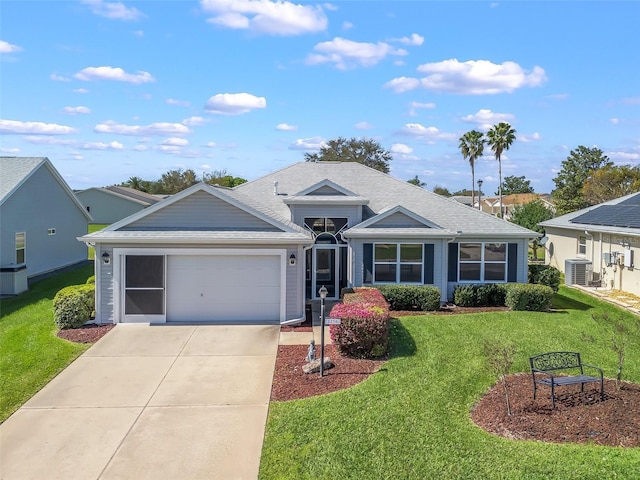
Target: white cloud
x=34 y=128
x=234 y=103
x=102 y=146
x=159 y=128
x=347 y=25
x=285 y=127
x=59 y=78
x=363 y=126
x=6 y=47
x=614 y=121
x=211 y=144
x=179 y=103
x=141 y=148
x=430 y=134
x=113 y=10
x=623 y=157
x=81 y=90
x=48 y=140
x=401 y=148
x=9 y=150
x=345 y=54
x=415 y=106
x=309 y=144
x=485 y=118
x=175 y=141
x=414 y=40
x=558 y=96
x=279 y=17
x=524 y=138
x=474 y=77
x=76 y=110
x=139 y=33
x=194 y=121
x=113 y=73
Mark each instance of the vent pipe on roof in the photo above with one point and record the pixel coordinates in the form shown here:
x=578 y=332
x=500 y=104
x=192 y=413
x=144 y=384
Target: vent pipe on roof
x=275 y=187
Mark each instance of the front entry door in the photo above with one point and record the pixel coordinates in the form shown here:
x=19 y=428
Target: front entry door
x=325 y=271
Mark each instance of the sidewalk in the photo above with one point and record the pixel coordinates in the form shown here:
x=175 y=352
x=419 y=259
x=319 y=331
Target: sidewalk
x=624 y=300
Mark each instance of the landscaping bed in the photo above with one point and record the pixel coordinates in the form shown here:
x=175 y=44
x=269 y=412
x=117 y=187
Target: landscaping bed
x=86 y=334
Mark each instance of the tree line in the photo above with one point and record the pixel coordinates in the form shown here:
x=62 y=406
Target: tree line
x=175 y=181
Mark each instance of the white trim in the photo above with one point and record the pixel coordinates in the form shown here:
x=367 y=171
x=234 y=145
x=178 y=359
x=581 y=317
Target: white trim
x=118 y=274
x=482 y=262
x=398 y=209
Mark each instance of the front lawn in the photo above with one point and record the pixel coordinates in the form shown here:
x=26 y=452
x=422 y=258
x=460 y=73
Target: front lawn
x=30 y=352
x=411 y=419
x=94 y=227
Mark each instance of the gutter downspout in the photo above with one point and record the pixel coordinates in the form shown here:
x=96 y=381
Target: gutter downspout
x=297 y=321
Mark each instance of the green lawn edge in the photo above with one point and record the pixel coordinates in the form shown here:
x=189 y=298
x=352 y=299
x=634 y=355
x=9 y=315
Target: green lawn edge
x=411 y=420
x=31 y=353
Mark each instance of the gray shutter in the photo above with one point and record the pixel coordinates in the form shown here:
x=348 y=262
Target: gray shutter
x=453 y=262
x=367 y=260
x=427 y=263
x=512 y=262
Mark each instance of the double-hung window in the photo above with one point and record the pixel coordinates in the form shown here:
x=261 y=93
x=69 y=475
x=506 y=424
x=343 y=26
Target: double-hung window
x=21 y=247
x=483 y=262
x=582 y=245
x=398 y=263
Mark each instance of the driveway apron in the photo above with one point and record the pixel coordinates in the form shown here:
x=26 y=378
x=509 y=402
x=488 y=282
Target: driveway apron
x=150 y=402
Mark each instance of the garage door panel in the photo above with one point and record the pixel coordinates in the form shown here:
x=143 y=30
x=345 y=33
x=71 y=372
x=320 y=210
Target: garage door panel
x=223 y=288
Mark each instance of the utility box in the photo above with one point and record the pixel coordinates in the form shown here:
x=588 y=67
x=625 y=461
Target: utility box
x=577 y=271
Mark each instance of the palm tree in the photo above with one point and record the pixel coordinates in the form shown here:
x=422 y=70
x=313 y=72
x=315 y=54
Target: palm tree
x=500 y=138
x=472 y=147
x=135 y=182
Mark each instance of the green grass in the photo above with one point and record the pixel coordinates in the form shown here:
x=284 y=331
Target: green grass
x=31 y=353
x=94 y=227
x=411 y=419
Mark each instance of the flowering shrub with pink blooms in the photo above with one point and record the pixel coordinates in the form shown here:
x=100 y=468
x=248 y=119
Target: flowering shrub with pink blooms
x=364 y=329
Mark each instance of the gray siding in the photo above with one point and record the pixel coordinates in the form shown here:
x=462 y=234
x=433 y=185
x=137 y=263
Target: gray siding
x=107 y=208
x=105 y=312
x=352 y=212
x=201 y=211
x=39 y=204
x=399 y=220
x=326 y=190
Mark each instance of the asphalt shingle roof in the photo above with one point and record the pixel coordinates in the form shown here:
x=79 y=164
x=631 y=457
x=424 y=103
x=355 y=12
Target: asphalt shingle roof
x=14 y=170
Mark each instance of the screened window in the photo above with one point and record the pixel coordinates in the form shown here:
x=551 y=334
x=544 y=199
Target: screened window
x=582 y=245
x=398 y=263
x=21 y=247
x=144 y=285
x=320 y=225
x=483 y=262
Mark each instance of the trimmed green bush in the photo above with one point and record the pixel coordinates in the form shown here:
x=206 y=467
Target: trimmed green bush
x=480 y=295
x=91 y=279
x=74 y=305
x=364 y=328
x=411 y=297
x=545 y=275
x=531 y=297
x=465 y=296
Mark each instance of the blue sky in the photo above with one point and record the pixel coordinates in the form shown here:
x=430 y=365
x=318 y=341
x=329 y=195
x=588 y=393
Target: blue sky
x=108 y=90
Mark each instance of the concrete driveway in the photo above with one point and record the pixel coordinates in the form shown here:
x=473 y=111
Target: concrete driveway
x=150 y=402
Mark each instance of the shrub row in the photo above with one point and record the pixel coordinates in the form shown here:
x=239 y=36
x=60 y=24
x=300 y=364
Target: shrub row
x=74 y=305
x=516 y=296
x=364 y=328
x=545 y=275
x=411 y=297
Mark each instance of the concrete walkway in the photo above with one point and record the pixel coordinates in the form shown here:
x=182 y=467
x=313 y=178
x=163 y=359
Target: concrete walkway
x=150 y=402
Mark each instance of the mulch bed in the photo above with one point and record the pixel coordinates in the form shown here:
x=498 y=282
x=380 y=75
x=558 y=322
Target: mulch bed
x=85 y=334
x=578 y=417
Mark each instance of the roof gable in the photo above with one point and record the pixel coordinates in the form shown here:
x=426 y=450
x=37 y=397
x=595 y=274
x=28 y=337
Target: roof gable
x=325 y=187
x=16 y=171
x=203 y=207
x=398 y=217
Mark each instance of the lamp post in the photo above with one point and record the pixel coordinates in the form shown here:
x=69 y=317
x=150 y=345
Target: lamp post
x=323 y=295
x=480 y=194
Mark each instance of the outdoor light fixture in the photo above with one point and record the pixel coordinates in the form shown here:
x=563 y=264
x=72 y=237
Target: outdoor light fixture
x=480 y=194
x=323 y=294
x=106 y=259
x=292 y=259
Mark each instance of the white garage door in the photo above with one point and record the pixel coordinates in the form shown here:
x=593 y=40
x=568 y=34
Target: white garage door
x=219 y=288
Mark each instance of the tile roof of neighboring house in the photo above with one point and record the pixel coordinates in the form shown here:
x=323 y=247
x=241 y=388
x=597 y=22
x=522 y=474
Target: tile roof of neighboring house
x=619 y=216
x=133 y=194
x=382 y=191
x=14 y=171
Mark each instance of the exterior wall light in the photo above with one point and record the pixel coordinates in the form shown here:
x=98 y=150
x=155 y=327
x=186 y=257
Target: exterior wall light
x=106 y=259
x=292 y=259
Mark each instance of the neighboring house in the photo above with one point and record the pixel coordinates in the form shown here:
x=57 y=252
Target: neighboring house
x=40 y=218
x=261 y=251
x=510 y=202
x=598 y=244
x=110 y=204
x=463 y=199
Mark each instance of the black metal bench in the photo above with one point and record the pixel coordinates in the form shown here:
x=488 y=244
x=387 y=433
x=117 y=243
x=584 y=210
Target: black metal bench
x=549 y=365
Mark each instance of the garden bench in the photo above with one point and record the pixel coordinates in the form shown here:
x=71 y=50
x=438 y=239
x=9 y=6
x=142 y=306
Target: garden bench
x=549 y=365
